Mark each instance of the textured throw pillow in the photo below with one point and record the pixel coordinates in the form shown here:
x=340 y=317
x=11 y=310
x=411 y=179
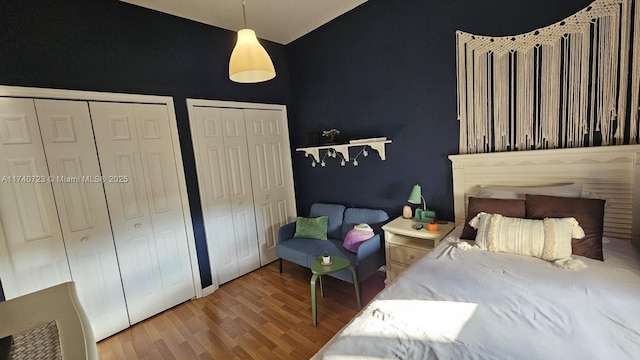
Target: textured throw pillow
x=588 y=212
x=356 y=236
x=511 y=208
x=312 y=228
x=548 y=239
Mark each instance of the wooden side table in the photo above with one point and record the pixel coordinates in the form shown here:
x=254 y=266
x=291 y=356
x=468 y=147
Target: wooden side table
x=404 y=245
x=318 y=270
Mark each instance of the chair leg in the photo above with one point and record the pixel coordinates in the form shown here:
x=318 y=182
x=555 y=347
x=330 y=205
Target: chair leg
x=280 y=265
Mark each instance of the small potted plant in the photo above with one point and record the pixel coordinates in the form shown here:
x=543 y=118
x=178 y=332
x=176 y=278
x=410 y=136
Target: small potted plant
x=331 y=135
x=326 y=258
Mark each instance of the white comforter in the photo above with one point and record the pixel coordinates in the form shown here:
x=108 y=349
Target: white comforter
x=457 y=304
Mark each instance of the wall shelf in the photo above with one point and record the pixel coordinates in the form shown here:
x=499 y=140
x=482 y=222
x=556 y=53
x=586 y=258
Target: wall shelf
x=333 y=150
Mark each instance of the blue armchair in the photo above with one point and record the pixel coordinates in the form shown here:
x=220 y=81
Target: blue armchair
x=302 y=251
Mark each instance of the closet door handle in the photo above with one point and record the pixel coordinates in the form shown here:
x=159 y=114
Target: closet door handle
x=136 y=225
x=239 y=203
x=84 y=239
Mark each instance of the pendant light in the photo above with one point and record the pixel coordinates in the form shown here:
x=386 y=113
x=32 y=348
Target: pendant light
x=249 y=62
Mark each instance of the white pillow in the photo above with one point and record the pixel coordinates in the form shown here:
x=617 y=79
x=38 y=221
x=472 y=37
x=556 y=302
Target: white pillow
x=548 y=239
x=519 y=192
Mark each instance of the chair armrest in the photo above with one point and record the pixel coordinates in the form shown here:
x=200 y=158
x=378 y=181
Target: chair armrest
x=369 y=248
x=286 y=232
x=369 y=258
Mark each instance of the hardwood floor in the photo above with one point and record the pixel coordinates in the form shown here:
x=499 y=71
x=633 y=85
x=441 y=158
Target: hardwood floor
x=262 y=315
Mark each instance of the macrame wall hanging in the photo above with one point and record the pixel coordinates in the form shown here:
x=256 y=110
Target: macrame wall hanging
x=575 y=83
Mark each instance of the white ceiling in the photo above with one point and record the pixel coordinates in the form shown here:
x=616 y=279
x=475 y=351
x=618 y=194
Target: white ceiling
x=280 y=21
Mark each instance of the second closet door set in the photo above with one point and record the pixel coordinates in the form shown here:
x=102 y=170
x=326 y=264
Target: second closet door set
x=109 y=215
x=245 y=177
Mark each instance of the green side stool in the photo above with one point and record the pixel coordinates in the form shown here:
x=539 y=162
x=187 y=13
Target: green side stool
x=318 y=270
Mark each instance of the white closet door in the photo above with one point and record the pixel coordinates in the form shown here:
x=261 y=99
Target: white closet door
x=32 y=253
x=77 y=183
x=240 y=195
x=224 y=179
x=117 y=143
x=133 y=179
x=165 y=206
x=271 y=176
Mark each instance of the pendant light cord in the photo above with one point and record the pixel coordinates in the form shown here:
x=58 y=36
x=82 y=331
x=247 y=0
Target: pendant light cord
x=244 y=15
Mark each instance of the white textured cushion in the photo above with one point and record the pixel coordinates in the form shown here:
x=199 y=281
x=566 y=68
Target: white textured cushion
x=518 y=192
x=548 y=239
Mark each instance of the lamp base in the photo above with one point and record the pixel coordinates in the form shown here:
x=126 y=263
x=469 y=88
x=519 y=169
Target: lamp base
x=425 y=216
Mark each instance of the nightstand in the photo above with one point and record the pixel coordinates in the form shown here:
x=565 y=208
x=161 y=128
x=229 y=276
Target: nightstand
x=404 y=245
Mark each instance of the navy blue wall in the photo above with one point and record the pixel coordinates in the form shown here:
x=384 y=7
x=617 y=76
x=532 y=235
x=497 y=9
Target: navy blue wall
x=387 y=68
x=112 y=46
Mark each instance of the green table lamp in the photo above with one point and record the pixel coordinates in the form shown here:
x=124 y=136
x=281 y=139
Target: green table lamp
x=421 y=215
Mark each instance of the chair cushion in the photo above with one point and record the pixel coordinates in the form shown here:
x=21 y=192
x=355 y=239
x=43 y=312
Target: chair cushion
x=335 y=212
x=297 y=250
x=335 y=248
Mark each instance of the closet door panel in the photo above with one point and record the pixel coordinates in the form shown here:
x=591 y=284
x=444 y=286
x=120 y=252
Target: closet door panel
x=117 y=143
x=227 y=205
x=32 y=253
x=271 y=176
x=241 y=194
x=165 y=206
x=222 y=248
x=70 y=148
x=211 y=166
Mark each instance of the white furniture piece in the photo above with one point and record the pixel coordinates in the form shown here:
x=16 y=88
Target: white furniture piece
x=607 y=172
x=404 y=245
x=98 y=186
x=59 y=303
x=245 y=177
x=465 y=303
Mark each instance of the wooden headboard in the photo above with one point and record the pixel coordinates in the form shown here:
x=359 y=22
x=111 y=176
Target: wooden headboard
x=608 y=172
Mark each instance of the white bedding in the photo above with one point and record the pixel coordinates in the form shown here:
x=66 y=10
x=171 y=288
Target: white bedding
x=457 y=304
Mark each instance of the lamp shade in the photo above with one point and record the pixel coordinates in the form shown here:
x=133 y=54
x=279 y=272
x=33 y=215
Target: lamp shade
x=416 y=195
x=250 y=62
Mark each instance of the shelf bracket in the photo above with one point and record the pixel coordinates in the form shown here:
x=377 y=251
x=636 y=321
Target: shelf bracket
x=314 y=152
x=377 y=144
x=380 y=148
x=343 y=150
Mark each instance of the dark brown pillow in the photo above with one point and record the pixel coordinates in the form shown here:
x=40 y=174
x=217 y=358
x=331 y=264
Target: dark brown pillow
x=505 y=207
x=588 y=212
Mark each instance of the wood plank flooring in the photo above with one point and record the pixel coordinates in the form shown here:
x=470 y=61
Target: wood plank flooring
x=262 y=315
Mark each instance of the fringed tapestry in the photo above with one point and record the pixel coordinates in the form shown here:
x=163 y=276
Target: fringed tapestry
x=575 y=83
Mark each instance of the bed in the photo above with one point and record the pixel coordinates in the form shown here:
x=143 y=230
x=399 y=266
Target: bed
x=460 y=302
